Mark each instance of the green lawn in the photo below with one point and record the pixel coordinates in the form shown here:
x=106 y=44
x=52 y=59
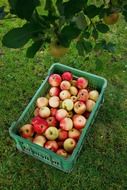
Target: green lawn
x=102 y=163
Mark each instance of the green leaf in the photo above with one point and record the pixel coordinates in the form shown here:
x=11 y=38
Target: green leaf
x=60 y=7
x=86 y=34
x=87 y=46
x=95 y=34
x=91 y=11
x=68 y=33
x=18 y=37
x=83 y=46
x=23 y=8
x=31 y=51
x=73 y=6
x=103 y=28
x=80 y=48
x=80 y=21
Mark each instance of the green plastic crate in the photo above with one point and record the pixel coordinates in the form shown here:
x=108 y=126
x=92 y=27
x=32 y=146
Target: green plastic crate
x=45 y=155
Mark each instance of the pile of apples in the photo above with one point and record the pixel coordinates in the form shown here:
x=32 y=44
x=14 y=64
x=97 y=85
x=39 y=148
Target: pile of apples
x=61 y=115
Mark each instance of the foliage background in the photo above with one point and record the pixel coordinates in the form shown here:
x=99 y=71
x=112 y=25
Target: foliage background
x=102 y=161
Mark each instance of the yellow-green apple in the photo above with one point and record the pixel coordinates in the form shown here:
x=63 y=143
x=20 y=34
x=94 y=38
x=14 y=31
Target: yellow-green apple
x=26 y=131
x=79 y=107
x=51 y=133
x=51 y=121
x=69 y=144
x=67 y=104
x=55 y=80
x=62 y=152
x=74 y=98
x=40 y=140
x=67 y=76
x=66 y=124
x=64 y=94
x=65 y=85
x=52 y=145
x=81 y=83
x=39 y=124
x=36 y=111
x=90 y=105
x=74 y=133
x=53 y=111
x=62 y=134
x=73 y=90
x=93 y=95
x=44 y=112
x=112 y=18
x=54 y=91
x=60 y=114
x=79 y=121
x=83 y=95
x=42 y=102
x=54 y=101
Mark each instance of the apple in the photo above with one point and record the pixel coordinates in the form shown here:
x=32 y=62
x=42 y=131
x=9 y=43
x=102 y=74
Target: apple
x=66 y=124
x=51 y=121
x=83 y=95
x=81 y=83
x=44 y=112
x=26 y=131
x=79 y=121
x=54 y=91
x=70 y=114
x=36 y=112
x=39 y=124
x=93 y=95
x=74 y=98
x=62 y=134
x=54 y=101
x=73 y=82
x=65 y=85
x=52 y=145
x=79 y=107
x=53 y=111
x=67 y=76
x=90 y=105
x=73 y=90
x=42 y=102
x=74 y=133
x=60 y=143
x=62 y=152
x=112 y=18
x=51 y=133
x=64 y=94
x=60 y=114
x=40 y=140
x=69 y=144
x=67 y=104
x=54 y=80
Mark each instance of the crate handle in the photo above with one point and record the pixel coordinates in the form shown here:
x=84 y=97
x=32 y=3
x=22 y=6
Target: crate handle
x=11 y=128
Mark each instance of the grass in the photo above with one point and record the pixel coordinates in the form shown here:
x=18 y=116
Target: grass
x=102 y=164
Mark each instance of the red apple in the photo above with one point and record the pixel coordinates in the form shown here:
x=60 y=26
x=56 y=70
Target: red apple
x=64 y=94
x=55 y=80
x=79 y=107
x=93 y=95
x=62 y=134
x=81 y=83
x=74 y=133
x=66 y=124
x=39 y=124
x=42 y=102
x=51 y=133
x=83 y=95
x=40 y=140
x=79 y=121
x=52 y=145
x=73 y=90
x=26 y=131
x=65 y=85
x=67 y=76
x=90 y=105
x=51 y=121
x=44 y=112
x=69 y=144
x=54 y=91
x=60 y=114
x=62 y=152
x=54 y=101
